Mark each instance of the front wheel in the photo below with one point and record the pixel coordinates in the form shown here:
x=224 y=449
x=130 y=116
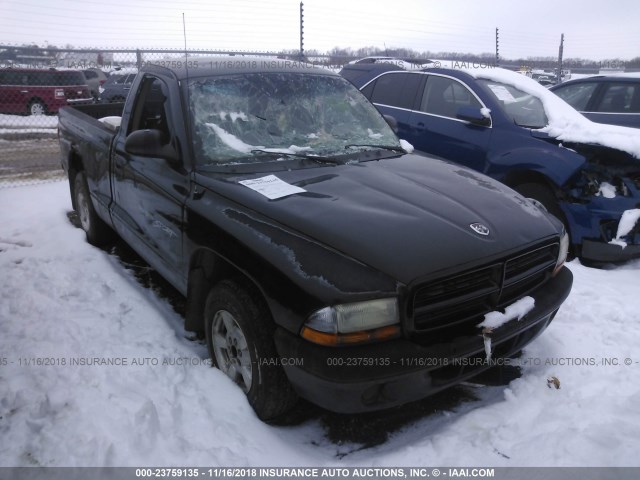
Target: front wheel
x=36 y=107
x=239 y=332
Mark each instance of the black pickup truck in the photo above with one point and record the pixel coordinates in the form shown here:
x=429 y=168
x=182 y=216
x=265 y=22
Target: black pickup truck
x=318 y=258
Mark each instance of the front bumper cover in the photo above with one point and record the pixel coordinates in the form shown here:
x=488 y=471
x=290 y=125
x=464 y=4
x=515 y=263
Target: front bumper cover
x=598 y=251
x=383 y=375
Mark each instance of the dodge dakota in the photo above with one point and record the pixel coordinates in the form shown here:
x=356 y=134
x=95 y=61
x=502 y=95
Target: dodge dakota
x=318 y=258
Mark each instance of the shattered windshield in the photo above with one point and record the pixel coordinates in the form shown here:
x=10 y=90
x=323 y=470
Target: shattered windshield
x=251 y=118
x=523 y=109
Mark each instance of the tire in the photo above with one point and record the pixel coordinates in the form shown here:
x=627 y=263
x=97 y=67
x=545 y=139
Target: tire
x=239 y=334
x=98 y=233
x=36 y=107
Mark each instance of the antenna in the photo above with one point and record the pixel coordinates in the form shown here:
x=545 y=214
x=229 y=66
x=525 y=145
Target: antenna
x=186 y=70
x=186 y=56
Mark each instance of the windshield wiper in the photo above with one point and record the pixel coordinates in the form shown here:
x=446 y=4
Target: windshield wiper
x=315 y=158
x=393 y=148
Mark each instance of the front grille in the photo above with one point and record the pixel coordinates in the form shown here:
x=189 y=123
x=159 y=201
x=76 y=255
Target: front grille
x=452 y=306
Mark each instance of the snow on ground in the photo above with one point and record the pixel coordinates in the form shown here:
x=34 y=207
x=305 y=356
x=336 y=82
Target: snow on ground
x=61 y=299
x=28 y=121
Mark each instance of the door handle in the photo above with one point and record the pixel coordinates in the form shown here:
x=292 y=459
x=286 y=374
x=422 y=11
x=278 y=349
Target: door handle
x=421 y=126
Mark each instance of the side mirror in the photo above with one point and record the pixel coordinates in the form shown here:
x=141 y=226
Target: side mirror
x=474 y=116
x=150 y=143
x=392 y=122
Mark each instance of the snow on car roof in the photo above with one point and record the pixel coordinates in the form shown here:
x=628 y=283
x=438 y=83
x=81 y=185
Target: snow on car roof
x=565 y=123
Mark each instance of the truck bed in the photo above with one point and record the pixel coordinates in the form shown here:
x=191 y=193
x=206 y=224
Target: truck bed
x=80 y=131
x=83 y=136
x=98 y=110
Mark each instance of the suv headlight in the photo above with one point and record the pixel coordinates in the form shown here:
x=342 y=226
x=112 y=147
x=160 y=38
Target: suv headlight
x=350 y=323
x=563 y=252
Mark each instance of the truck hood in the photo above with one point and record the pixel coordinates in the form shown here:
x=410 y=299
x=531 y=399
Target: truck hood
x=407 y=217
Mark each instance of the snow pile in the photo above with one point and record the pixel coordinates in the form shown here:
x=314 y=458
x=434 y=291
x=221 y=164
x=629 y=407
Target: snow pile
x=493 y=320
x=233 y=116
x=627 y=223
x=607 y=190
x=61 y=299
x=235 y=143
x=31 y=121
x=112 y=122
x=517 y=310
x=406 y=146
x=372 y=134
x=565 y=123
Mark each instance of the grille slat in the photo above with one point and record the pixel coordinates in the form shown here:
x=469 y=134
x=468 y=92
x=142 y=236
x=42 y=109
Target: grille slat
x=453 y=305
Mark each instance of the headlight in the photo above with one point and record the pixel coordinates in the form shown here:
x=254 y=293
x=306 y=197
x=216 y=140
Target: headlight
x=563 y=252
x=354 y=323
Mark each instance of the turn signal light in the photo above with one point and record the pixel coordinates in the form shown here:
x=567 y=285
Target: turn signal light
x=338 y=339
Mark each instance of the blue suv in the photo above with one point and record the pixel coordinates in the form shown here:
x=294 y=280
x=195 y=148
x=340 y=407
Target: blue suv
x=495 y=128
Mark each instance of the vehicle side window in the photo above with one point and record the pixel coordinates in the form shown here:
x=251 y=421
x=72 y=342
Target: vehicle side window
x=577 y=95
x=618 y=98
x=150 y=110
x=13 y=78
x=368 y=90
x=39 y=79
x=444 y=96
x=396 y=89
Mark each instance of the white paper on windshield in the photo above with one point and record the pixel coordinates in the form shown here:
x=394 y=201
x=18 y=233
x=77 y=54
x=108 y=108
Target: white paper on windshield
x=502 y=93
x=271 y=187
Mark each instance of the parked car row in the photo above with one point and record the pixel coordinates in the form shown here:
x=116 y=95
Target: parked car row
x=498 y=122
x=613 y=99
x=116 y=88
x=38 y=91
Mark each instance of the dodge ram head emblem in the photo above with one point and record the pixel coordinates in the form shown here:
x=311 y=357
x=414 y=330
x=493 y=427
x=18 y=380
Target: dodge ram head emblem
x=480 y=229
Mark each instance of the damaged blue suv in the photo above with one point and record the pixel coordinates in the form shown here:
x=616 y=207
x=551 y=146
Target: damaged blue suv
x=507 y=126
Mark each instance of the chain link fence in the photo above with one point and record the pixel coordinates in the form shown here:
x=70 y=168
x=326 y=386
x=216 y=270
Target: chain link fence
x=35 y=83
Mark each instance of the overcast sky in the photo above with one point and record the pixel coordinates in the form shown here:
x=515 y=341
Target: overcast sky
x=593 y=29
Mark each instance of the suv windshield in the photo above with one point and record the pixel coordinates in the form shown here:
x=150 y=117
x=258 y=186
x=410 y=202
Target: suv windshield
x=523 y=109
x=243 y=118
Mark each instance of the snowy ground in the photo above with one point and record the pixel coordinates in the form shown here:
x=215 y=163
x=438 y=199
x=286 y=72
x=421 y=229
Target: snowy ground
x=61 y=299
x=41 y=122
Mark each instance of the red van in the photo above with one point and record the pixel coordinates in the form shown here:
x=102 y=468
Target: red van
x=34 y=91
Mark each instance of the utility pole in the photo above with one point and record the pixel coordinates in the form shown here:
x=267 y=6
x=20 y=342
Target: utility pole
x=497 y=49
x=559 y=76
x=301 y=31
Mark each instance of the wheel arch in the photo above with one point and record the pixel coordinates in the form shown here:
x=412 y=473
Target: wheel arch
x=206 y=269
x=38 y=99
x=519 y=177
x=75 y=165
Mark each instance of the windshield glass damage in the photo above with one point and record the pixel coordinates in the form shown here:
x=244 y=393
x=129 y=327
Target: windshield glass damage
x=239 y=118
